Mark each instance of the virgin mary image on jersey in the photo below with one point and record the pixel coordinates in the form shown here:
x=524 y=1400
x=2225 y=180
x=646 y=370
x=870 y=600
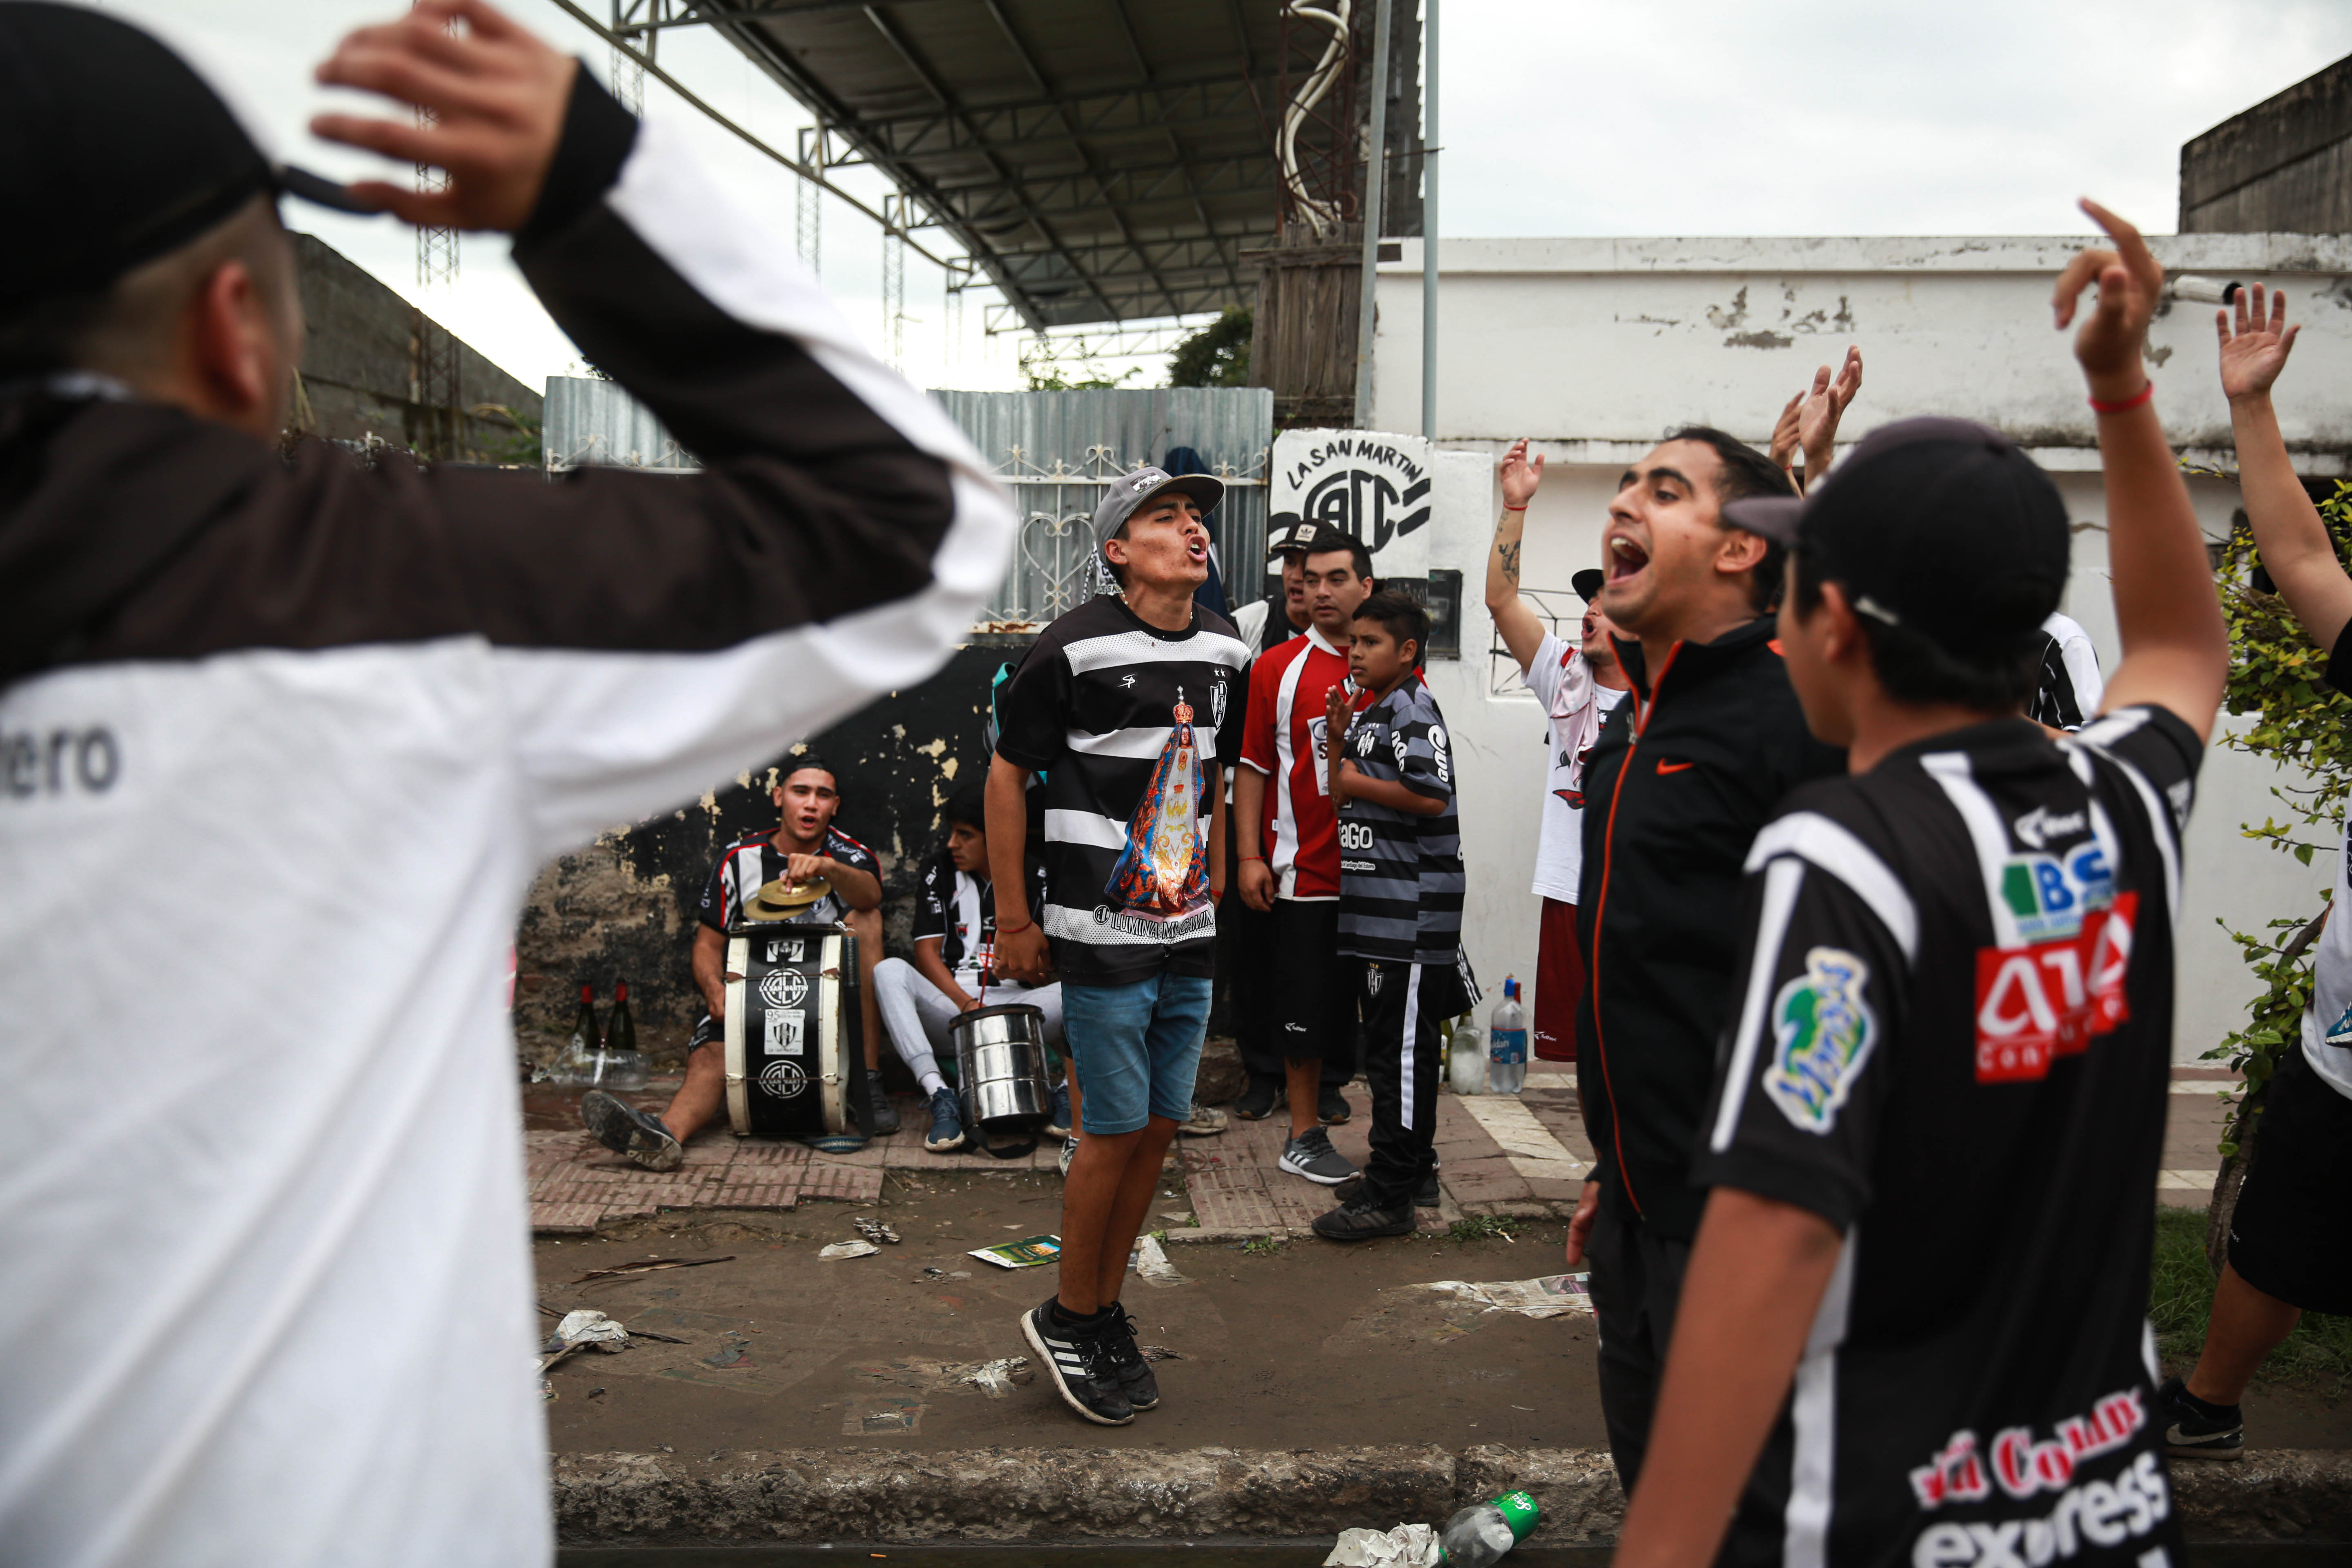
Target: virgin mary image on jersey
x=1165 y=870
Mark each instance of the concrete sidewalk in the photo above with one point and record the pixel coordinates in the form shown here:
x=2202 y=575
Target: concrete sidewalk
x=1524 y=1156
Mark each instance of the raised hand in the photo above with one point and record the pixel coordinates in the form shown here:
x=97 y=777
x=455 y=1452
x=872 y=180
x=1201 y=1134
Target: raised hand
x=1783 y=449
x=2252 y=356
x=1520 y=474
x=2110 y=342
x=497 y=97
x=1823 y=407
x=1338 y=709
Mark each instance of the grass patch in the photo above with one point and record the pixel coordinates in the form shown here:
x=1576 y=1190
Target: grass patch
x=1484 y=1228
x=2317 y=1355
x=1262 y=1246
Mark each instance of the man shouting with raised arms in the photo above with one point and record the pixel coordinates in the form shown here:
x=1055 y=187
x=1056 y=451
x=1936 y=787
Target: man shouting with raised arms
x=270 y=1305
x=1942 y=1098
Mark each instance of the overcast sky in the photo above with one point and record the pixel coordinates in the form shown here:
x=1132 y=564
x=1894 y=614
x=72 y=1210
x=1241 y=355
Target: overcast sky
x=1560 y=117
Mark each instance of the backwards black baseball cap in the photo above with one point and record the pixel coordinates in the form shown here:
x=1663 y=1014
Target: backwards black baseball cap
x=1941 y=525
x=113 y=150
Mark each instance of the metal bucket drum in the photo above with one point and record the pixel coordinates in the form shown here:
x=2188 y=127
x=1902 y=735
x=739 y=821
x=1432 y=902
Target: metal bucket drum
x=1000 y=1068
x=792 y=1024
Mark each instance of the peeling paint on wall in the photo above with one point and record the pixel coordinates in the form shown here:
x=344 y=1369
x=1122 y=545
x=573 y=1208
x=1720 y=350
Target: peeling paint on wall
x=623 y=908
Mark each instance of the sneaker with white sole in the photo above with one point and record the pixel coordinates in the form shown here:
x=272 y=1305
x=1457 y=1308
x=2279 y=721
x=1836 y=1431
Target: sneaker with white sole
x=638 y=1135
x=1070 y=1152
x=947 y=1133
x=1310 y=1155
x=1077 y=1360
x=1205 y=1121
x=2196 y=1430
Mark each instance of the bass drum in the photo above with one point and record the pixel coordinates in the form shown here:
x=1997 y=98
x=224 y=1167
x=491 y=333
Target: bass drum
x=791 y=1023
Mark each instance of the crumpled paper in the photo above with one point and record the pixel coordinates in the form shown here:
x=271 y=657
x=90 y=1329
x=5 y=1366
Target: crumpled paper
x=1151 y=1262
x=848 y=1249
x=1552 y=1296
x=1406 y=1546
x=588 y=1326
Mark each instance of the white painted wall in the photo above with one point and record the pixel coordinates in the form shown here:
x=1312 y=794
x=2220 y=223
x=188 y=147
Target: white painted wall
x=1595 y=348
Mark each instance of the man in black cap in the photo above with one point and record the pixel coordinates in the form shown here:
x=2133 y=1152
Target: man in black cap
x=1919 y=1290
x=269 y=1303
x=1282 y=614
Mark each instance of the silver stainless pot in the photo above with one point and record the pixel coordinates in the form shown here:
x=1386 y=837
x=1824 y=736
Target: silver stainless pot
x=1002 y=1068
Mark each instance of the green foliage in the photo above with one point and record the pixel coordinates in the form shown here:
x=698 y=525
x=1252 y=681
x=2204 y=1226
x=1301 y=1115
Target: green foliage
x=1051 y=379
x=2277 y=677
x=1216 y=356
x=2318 y=1354
x=1263 y=1246
x=1484 y=1228
x=518 y=444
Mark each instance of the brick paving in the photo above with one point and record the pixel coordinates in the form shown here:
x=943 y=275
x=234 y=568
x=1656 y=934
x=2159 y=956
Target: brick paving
x=1523 y=1156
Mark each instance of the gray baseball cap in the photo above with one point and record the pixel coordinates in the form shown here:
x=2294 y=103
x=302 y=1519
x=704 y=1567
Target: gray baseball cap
x=1127 y=494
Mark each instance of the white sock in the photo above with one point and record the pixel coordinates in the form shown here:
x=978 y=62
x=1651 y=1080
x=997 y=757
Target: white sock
x=932 y=1084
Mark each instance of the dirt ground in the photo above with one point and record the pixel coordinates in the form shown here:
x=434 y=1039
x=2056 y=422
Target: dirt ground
x=1280 y=1345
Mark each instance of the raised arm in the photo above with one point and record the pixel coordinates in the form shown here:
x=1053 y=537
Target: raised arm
x=1521 y=629
x=2175 y=651
x=1808 y=424
x=2296 y=549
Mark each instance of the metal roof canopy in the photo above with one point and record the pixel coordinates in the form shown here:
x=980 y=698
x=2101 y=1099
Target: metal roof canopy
x=1099 y=160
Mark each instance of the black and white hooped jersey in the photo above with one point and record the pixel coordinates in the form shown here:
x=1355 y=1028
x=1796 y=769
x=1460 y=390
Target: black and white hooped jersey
x=1125 y=721
x=1953 y=1042
x=1400 y=878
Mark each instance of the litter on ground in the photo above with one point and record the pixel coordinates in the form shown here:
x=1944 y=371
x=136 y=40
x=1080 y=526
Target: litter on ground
x=1406 y=1546
x=848 y=1249
x=1552 y=1296
x=1151 y=1262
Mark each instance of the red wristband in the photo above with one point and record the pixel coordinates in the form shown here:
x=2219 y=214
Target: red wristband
x=1010 y=931
x=1514 y=508
x=2128 y=405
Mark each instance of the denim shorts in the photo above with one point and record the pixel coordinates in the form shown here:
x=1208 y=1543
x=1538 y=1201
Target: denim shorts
x=1135 y=1048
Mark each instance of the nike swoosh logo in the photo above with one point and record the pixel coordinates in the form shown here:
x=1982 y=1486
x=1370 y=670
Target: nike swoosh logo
x=1666 y=767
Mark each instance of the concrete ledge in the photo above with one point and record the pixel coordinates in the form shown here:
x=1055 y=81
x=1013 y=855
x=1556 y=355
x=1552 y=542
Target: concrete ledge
x=1077 y=1494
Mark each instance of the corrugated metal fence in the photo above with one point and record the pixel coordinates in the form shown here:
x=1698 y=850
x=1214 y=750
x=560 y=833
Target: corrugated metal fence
x=1055 y=451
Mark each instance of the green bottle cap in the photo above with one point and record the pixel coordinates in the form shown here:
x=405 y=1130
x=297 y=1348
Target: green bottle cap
x=1520 y=1512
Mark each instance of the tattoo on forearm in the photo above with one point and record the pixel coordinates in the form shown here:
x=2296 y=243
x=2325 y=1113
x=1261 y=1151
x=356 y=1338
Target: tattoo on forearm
x=1509 y=551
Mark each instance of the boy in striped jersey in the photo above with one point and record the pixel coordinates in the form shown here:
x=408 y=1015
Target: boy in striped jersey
x=1391 y=780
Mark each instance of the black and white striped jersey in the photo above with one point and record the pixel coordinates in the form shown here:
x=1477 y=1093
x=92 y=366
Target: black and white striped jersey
x=1401 y=880
x=272 y=1305
x=752 y=862
x=1953 y=1041
x=2068 y=689
x=1123 y=719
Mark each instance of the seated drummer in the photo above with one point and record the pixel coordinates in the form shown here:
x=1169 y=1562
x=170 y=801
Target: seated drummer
x=955 y=936
x=804 y=847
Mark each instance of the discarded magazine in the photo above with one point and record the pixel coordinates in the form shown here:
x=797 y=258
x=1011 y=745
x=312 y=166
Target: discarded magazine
x=1026 y=1253
x=1553 y=1296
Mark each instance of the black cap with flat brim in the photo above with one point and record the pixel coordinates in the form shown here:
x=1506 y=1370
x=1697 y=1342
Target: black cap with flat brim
x=1942 y=525
x=1588 y=583
x=115 y=150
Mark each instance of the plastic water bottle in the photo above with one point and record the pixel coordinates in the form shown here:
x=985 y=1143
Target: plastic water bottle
x=1466 y=1059
x=575 y=1065
x=1481 y=1533
x=1507 y=1043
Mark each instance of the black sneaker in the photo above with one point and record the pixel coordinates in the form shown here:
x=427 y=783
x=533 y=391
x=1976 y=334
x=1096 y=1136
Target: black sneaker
x=1134 y=1372
x=1363 y=1220
x=885 y=1115
x=2196 y=1430
x=1331 y=1106
x=624 y=1129
x=1078 y=1361
x=1310 y=1155
x=1425 y=1197
x=1261 y=1099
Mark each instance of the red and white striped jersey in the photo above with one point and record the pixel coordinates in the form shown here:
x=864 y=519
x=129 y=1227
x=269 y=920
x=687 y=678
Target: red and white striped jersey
x=1282 y=737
